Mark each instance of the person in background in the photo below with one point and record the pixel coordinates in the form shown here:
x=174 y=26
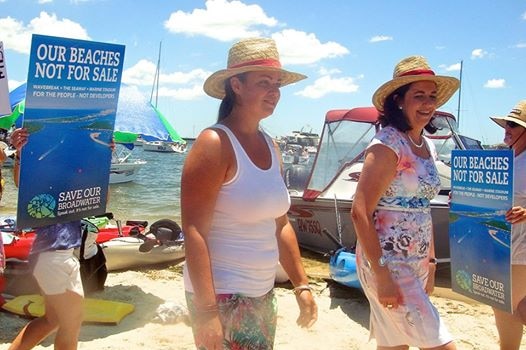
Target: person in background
x=391 y=213
x=511 y=326
x=58 y=275
x=3 y=157
x=234 y=207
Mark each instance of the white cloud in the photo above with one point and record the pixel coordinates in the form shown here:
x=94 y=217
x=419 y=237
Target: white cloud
x=143 y=72
x=296 y=47
x=327 y=84
x=17 y=36
x=187 y=93
x=520 y=46
x=326 y=71
x=495 y=84
x=41 y=2
x=222 y=20
x=478 y=53
x=524 y=16
x=451 y=68
x=378 y=38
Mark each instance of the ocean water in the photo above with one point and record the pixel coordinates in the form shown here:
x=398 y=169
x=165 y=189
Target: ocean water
x=154 y=194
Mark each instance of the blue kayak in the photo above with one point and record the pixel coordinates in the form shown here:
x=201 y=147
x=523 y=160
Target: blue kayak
x=342 y=268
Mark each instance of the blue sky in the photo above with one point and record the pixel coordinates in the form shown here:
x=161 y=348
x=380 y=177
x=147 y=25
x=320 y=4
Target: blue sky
x=347 y=48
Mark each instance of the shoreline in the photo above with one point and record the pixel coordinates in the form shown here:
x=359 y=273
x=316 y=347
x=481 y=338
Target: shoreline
x=343 y=320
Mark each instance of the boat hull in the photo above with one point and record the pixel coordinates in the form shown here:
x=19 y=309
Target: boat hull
x=123 y=253
x=124 y=172
x=310 y=218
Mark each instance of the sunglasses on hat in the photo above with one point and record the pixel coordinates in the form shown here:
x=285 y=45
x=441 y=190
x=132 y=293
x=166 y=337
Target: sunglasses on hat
x=511 y=124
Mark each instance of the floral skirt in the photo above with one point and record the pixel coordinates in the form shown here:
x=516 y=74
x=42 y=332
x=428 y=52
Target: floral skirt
x=248 y=323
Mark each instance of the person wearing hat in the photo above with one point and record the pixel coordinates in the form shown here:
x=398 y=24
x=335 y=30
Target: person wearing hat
x=510 y=326
x=391 y=213
x=234 y=207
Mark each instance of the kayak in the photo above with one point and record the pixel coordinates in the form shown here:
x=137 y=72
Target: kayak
x=124 y=253
x=342 y=268
x=18 y=245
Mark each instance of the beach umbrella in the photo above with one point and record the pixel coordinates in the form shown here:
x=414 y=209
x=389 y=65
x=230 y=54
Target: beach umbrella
x=17 y=101
x=135 y=116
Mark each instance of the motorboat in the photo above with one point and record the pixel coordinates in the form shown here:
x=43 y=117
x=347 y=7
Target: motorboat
x=322 y=193
x=123 y=168
x=295 y=154
x=307 y=139
x=163 y=146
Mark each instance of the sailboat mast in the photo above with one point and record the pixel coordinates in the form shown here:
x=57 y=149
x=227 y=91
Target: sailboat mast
x=155 y=85
x=459 y=94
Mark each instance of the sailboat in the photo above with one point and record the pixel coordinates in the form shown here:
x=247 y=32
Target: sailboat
x=175 y=143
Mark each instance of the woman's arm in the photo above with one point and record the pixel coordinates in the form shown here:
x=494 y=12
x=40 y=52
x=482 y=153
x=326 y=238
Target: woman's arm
x=290 y=259
x=430 y=284
x=203 y=174
x=205 y=170
x=18 y=139
x=378 y=172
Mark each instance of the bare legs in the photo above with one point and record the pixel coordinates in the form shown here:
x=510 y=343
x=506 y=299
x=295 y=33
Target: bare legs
x=510 y=326
x=64 y=314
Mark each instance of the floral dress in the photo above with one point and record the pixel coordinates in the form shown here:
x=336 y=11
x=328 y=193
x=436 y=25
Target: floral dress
x=403 y=223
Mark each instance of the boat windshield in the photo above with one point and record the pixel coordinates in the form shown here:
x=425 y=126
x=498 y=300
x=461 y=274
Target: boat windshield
x=341 y=142
x=447 y=139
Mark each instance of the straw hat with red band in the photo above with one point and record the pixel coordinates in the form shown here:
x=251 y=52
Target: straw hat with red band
x=517 y=115
x=410 y=70
x=249 y=55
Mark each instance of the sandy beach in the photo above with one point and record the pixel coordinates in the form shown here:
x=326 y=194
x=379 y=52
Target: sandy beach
x=342 y=324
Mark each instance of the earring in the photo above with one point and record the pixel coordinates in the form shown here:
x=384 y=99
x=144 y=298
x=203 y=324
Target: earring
x=400 y=108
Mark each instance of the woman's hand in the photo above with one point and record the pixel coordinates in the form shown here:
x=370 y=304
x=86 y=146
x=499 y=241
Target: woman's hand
x=388 y=292
x=430 y=284
x=308 y=309
x=18 y=139
x=209 y=333
x=516 y=215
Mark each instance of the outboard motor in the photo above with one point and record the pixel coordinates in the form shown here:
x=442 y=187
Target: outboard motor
x=167 y=232
x=296 y=177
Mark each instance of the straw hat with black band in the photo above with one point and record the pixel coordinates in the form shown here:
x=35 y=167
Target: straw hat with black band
x=517 y=115
x=249 y=55
x=410 y=70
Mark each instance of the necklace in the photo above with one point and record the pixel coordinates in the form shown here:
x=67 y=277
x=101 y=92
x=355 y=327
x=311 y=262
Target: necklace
x=414 y=143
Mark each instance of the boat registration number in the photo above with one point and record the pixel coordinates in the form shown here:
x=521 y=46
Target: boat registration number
x=309 y=226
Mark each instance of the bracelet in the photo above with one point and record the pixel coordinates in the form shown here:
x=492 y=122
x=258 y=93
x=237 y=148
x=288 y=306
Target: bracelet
x=297 y=290
x=206 y=309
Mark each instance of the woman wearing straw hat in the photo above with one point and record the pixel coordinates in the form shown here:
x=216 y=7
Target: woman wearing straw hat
x=234 y=209
x=510 y=326
x=391 y=213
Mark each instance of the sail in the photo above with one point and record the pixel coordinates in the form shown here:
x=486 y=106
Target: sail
x=173 y=134
x=137 y=116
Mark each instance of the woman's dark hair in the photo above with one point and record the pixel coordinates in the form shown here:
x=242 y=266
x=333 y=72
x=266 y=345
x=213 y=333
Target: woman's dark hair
x=395 y=117
x=227 y=104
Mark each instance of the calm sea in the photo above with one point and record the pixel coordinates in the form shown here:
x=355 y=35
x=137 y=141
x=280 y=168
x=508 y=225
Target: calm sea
x=154 y=195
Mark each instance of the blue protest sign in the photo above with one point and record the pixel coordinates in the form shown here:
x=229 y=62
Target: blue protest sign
x=71 y=102
x=479 y=235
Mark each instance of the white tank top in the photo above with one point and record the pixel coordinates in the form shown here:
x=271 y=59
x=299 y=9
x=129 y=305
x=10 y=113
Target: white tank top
x=242 y=239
